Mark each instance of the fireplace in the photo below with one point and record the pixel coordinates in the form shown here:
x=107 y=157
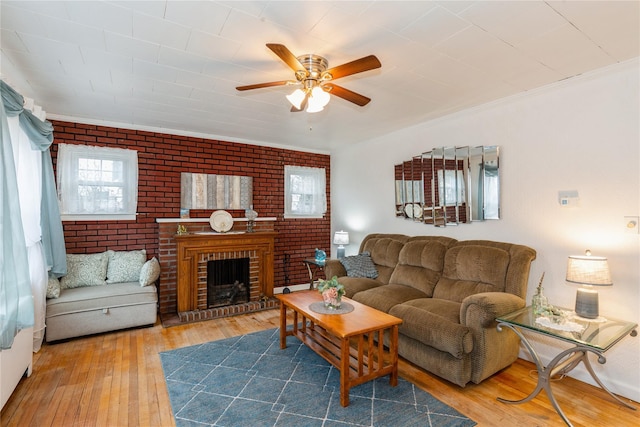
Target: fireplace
x=228 y=282
x=194 y=253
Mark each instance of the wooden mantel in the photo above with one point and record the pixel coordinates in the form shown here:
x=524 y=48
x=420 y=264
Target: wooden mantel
x=191 y=247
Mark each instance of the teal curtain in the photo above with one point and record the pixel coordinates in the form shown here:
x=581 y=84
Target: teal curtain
x=41 y=136
x=16 y=299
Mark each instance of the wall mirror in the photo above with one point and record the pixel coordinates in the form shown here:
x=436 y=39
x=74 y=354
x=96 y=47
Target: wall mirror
x=449 y=186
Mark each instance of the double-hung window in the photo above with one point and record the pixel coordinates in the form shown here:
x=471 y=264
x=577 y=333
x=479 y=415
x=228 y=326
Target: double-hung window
x=97 y=183
x=305 y=194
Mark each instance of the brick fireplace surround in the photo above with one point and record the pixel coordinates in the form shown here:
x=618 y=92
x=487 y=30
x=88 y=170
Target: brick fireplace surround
x=182 y=296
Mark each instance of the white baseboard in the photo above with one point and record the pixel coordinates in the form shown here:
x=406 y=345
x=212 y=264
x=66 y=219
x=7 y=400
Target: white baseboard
x=292 y=288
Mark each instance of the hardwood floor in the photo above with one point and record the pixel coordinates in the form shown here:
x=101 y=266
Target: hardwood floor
x=116 y=379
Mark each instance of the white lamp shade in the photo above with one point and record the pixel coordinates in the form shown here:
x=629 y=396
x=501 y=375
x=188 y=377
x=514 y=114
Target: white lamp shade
x=313 y=107
x=341 y=238
x=319 y=96
x=588 y=270
x=296 y=98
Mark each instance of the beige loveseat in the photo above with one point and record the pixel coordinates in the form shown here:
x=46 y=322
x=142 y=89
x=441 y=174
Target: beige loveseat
x=102 y=292
x=448 y=294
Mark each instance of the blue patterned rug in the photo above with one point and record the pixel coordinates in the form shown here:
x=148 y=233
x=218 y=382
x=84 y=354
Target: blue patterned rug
x=249 y=381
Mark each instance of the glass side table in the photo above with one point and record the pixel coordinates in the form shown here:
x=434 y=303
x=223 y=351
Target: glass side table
x=588 y=336
x=315 y=268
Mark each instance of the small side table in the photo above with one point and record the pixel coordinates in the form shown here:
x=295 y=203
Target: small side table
x=314 y=268
x=597 y=337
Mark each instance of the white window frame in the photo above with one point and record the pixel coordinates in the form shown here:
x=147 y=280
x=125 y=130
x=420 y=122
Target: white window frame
x=70 y=179
x=308 y=200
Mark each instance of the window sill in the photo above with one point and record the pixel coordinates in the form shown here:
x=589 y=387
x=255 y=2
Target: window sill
x=303 y=216
x=108 y=217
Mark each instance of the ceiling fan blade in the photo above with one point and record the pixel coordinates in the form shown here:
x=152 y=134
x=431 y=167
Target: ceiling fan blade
x=358 y=66
x=286 y=55
x=347 y=94
x=269 y=84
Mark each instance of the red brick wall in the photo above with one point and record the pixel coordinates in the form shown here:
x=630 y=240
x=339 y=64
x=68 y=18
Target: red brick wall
x=161 y=158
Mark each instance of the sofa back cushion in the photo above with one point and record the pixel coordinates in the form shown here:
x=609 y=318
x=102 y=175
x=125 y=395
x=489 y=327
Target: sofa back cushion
x=520 y=258
x=384 y=254
x=471 y=269
x=420 y=264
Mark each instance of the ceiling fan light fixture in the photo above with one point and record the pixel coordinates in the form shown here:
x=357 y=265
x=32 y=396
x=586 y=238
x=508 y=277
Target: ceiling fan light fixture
x=296 y=98
x=313 y=107
x=319 y=96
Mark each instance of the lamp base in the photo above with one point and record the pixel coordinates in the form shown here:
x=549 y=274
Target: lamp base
x=587 y=303
x=340 y=252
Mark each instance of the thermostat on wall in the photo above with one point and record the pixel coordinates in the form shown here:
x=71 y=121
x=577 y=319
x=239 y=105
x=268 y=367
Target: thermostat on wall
x=568 y=198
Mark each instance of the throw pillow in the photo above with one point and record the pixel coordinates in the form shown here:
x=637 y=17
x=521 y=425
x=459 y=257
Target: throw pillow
x=53 y=287
x=85 y=270
x=150 y=272
x=125 y=266
x=360 y=266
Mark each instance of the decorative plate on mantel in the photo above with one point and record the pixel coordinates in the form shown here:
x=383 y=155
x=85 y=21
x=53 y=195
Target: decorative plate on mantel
x=221 y=221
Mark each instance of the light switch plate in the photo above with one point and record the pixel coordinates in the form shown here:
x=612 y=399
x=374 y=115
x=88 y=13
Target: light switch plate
x=631 y=224
x=568 y=198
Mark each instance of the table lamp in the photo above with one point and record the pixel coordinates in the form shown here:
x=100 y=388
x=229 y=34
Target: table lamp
x=341 y=238
x=588 y=271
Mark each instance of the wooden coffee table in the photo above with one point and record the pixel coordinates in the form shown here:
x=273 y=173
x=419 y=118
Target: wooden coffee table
x=352 y=342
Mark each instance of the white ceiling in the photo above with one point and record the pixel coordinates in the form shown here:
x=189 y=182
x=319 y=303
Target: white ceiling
x=174 y=65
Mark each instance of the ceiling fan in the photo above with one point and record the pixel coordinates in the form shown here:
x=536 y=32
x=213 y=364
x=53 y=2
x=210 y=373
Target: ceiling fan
x=312 y=72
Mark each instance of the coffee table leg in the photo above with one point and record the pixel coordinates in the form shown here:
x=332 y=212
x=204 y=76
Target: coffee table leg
x=344 y=372
x=393 y=350
x=283 y=325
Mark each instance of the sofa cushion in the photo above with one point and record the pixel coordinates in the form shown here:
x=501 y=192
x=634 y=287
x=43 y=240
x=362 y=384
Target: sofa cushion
x=353 y=285
x=100 y=297
x=420 y=264
x=85 y=270
x=384 y=254
x=436 y=323
x=53 y=287
x=150 y=272
x=125 y=266
x=360 y=265
x=386 y=296
x=470 y=270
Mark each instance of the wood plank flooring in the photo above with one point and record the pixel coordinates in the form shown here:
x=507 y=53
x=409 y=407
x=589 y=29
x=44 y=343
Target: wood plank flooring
x=116 y=379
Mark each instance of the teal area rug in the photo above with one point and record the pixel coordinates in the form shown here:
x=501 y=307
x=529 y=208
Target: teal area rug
x=249 y=381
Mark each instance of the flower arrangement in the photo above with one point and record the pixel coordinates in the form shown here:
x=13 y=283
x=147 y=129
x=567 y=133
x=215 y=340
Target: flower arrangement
x=332 y=292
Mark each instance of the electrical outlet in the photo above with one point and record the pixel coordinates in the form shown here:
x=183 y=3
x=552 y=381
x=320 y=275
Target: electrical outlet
x=631 y=224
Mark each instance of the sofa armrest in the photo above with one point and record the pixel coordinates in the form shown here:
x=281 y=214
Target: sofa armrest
x=481 y=310
x=334 y=267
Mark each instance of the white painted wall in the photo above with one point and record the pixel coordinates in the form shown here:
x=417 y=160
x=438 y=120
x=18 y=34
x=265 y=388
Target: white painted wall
x=580 y=134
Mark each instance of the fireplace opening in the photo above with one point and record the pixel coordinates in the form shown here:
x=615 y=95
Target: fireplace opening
x=227 y=282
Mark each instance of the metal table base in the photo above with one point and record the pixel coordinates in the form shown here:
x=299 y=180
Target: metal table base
x=560 y=365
